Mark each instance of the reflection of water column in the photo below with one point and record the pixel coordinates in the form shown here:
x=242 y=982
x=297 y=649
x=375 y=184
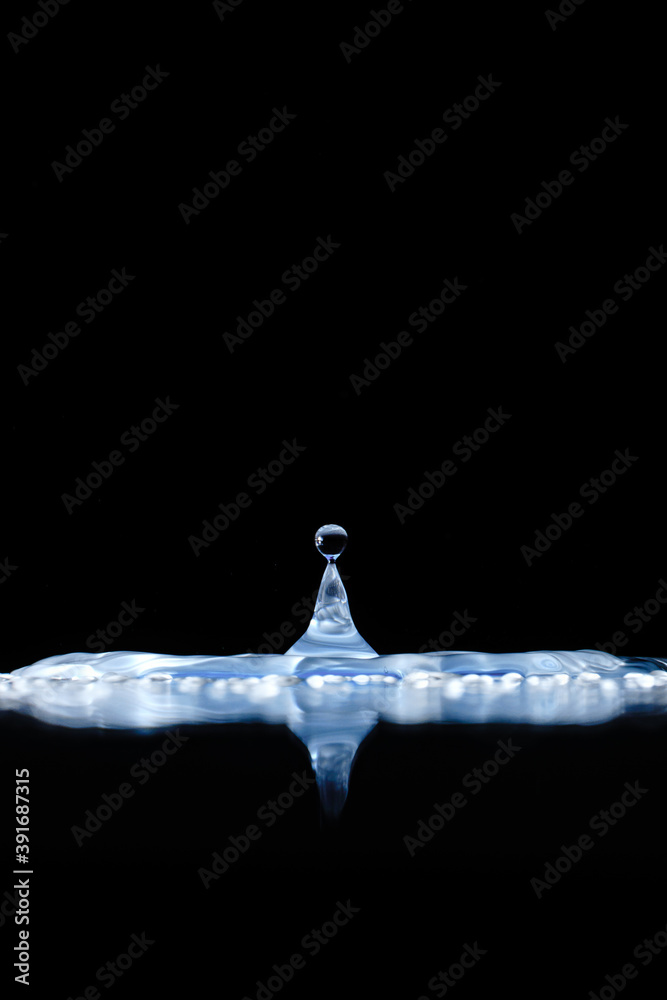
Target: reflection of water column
x=332 y=736
x=332 y=763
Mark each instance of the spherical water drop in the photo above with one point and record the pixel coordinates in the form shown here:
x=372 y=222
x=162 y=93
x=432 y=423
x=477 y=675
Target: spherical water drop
x=330 y=540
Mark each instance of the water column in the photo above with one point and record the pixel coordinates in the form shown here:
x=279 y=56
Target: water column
x=332 y=728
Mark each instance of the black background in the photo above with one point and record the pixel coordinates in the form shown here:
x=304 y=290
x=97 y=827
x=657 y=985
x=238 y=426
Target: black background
x=323 y=176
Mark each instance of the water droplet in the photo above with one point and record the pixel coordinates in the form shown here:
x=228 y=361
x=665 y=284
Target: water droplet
x=417 y=675
x=331 y=540
x=638 y=680
x=477 y=680
x=191 y=683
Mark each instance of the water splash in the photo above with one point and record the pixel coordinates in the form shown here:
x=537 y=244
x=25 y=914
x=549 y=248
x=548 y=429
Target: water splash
x=331 y=630
x=331 y=688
